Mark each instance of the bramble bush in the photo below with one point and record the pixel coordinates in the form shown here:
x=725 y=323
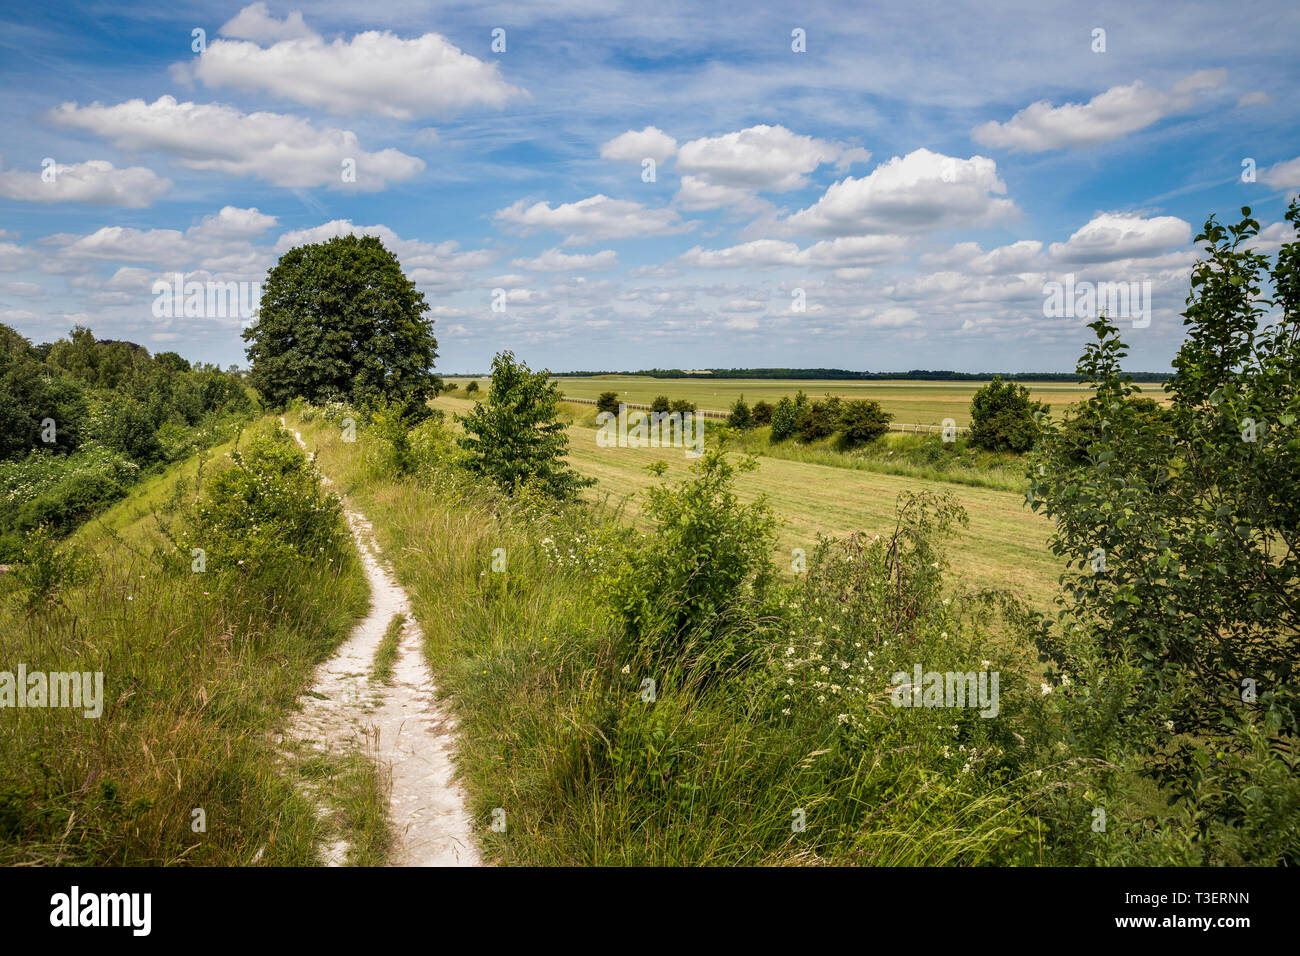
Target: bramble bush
x=45 y=568
x=59 y=491
x=688 y=593
x=266 y=510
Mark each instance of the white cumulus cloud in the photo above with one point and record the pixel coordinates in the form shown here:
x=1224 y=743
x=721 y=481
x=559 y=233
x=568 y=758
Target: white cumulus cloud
x=255 y=22
x=733 y=168
x=1282 y=175
x=553 y=260
x=1111 y=236
x=1107 y=116
x=283 y=150
x=594 y=218
x=913 y=193
x=95 y=181
x=636 y=145
x=373 y=72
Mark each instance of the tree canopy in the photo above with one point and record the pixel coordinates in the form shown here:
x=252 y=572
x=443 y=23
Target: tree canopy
x=339 y=320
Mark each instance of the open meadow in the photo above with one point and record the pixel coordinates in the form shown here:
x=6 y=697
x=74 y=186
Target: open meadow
x=911 y=402
x=1005 y=545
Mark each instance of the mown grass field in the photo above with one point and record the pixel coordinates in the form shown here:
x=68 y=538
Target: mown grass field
x=920 y=403
x=1003 y=547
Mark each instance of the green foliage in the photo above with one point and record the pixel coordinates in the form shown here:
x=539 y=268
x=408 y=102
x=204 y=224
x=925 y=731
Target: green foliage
x=200 y=672
x=264 y=513
x=58 y=491
x=607 y=402
x=1004 y=418
x=515 y=437
x=88 y=394
x=661 y=404
x=96 y=364
x=471 y=388
x=785 y=419
x=687 y=592
x=740 y=415
x=30 y=393
x=339 y=319
x=862 y=422
x=46 y=568
x=683 y=405
x=1079 y=431
x=390 y=424
x=818 y=419
x=1179 y=529
x=123 y=425
x=761 y=414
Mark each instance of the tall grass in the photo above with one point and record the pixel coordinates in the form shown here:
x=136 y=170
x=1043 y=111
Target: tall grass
x=588 y=771
x=200 y=670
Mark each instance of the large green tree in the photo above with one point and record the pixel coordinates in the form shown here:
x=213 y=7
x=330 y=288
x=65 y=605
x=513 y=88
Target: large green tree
x=339 y=320
x=515 y=436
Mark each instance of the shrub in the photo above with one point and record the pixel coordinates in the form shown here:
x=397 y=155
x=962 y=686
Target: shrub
x=607 y=402
x=863 y=421
x=390 y=424
x=123 y=425
x=45 y=569
x=785 y=419
x=684 y=406
x=1175 y=532
x=515 y=437
x=60 y=491
x=739 y=417
x=761 y=413
x=819 y=419
x=1004 y=418
x=266 y=511
x=1079 y=432
x=686 y=592
x=432 y=441
x=471 y=388
x=661 y=404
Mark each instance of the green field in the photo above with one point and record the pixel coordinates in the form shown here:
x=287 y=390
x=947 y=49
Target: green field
x=1004 y=546
x=918 y=403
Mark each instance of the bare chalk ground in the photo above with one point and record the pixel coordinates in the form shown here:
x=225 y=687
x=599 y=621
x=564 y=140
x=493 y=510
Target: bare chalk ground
x=415 y=742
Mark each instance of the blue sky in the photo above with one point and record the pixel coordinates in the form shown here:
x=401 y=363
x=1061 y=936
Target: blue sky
x=912 y=178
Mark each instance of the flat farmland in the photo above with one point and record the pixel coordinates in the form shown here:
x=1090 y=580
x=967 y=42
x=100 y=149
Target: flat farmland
x=919 y=403
x=1004 y=545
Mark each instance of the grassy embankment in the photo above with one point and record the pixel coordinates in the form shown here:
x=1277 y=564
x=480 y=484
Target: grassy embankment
x=199 y=671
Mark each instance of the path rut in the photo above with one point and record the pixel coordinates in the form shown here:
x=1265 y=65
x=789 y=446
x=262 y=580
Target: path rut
x=412 y=733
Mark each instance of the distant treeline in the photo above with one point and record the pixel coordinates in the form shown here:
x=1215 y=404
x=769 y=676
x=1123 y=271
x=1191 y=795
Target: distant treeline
x=917 y=374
